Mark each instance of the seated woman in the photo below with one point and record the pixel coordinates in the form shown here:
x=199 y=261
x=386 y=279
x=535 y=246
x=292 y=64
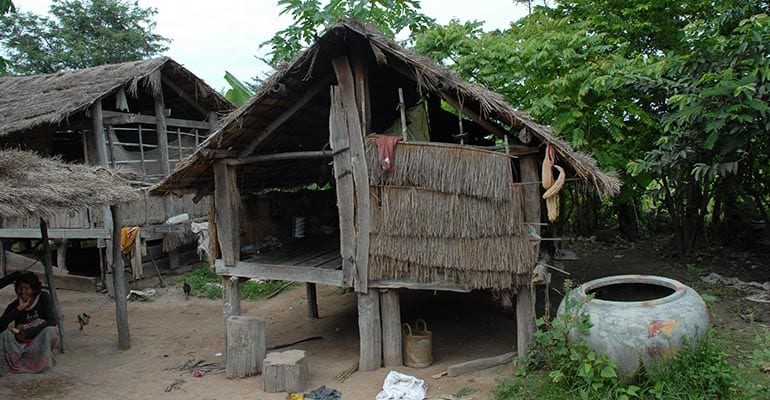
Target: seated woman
x=26 y=346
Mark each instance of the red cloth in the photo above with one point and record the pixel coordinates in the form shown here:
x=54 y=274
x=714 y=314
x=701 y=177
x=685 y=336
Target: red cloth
x=386 y=146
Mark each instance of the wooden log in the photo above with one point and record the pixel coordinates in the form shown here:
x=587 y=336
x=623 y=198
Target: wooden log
x=61 y=255
x=97 y=122
x=479 y=364
x=285 y=371
x=312 y=301
x=369 y=331
x=346 y=85
x=119 y=281
x=3 y=259
x=227 y=200
x=390 y=308
x=231 y=300
x=525 y=306
x=361 y=79
x=246 y=346
x=343 y=175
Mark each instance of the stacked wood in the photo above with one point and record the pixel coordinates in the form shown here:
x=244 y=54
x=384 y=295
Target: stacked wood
x=285 y=371
x=246 y=346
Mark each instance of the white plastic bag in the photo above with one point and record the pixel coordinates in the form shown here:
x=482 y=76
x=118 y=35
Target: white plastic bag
x=398 y=386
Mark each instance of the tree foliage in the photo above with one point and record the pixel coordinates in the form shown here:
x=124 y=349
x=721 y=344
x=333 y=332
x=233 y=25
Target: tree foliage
x=6 y=6
x=310 y=18
x=672 y=93
x=80 y=33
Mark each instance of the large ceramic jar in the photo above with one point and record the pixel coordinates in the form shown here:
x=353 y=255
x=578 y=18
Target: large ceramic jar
x=638 y=319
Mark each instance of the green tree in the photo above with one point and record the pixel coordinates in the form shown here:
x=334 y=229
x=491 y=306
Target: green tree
x=81 y=33
x=310 y=19
x=6 y=7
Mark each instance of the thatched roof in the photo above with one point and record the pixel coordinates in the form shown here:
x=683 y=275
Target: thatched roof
x=393 y=67
x=27 y=102
x=43 y=187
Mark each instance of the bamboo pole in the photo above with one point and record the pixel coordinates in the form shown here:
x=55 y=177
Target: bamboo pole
x=50 y=283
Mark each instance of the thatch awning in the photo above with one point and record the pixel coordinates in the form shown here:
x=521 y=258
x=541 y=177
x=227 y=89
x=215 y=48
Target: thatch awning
x=308 y=129
x=27 y=102
x=33 y=186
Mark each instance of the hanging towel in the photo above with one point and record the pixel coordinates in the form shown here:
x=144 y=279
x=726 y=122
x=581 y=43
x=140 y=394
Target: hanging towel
x=386 y=146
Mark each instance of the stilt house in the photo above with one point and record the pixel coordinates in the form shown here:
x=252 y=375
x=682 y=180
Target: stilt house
x=140 y=117
x=455 y=210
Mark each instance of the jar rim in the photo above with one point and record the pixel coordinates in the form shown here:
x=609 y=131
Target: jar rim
x=677 y=287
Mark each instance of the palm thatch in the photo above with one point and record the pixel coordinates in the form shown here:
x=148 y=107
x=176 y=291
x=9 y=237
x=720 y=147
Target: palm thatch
x=30 y=101
x=33 y=186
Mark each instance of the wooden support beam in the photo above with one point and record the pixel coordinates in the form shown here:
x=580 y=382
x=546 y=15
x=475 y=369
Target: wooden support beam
x=390 y=308
x=246 y=269
x=74 y=233
x=343 y=175
x=525 y=302
x=61 y=255
x=120 y=118
x=405 y=284
x=231 y=301
x=184 y=95
x=165 y=165
x=312 y=301
x=281 y=119
x=363 y=97
x=50 y=283
x=3 y=260
x=295 y=155
x=97 y=120
x=119 y=280
x=369 y=331
x=346 y=85
x=227 y=200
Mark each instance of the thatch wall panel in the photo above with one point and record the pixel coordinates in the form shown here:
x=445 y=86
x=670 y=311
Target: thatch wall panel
x=444 y=167
x=381 y=267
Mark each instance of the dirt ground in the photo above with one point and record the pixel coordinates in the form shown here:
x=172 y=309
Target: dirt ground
x=169 y=330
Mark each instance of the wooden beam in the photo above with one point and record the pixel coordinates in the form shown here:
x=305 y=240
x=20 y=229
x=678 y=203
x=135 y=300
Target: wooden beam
x=312 y=300
x=279 y=120
x=343 y=176
x=246 y=269
x=369 y=331
x=184 y=95
x=120 y=118
x=390 y=307
x=361 y=81
x=346 y=84
x=75 y=233
x=227 y=201
x=525 y=306
x=47 y=267
x=479 y=364
x=97 y=119
x=405 y=284
x=231 y=301
x=165 y=165
x=119 y=280
x=296 y=155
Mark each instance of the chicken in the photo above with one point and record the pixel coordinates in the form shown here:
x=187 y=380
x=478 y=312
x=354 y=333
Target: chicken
x=186 y=289
x=83 y=320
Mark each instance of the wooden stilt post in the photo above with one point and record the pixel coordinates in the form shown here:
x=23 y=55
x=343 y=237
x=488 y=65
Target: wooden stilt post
x=312 y=301
x=50 y=283
x=525 y=302
x=231 y=294
x=391 y=328
x=3 y=260
x=369 y=331
x=61 y=255
x=165 y=165
x=121 y=286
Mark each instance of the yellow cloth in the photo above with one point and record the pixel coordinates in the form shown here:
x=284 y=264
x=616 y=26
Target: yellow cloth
x=128 y=235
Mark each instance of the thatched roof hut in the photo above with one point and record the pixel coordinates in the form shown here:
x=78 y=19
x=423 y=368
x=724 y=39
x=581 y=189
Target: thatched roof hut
x=42 y=187
x=446 y=216
x=30 y=102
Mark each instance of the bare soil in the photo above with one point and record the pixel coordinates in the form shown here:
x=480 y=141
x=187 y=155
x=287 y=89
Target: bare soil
x=169 y=330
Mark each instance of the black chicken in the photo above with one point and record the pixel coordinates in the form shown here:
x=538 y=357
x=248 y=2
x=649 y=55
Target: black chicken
x=186 y=289
x=83 y=320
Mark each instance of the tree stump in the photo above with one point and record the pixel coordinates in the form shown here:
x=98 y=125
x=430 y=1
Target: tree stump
x=285 y=371
x=246 y=346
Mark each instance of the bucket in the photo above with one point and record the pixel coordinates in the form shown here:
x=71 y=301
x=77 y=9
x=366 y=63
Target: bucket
x=417 y=345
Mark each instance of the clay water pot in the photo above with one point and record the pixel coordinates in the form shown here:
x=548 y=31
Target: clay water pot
x=638 y=319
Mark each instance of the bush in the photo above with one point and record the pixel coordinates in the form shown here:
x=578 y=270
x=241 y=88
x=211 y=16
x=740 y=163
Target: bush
x=207 y=284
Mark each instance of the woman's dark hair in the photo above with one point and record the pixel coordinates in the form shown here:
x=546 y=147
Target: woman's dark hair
x=30 y=279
